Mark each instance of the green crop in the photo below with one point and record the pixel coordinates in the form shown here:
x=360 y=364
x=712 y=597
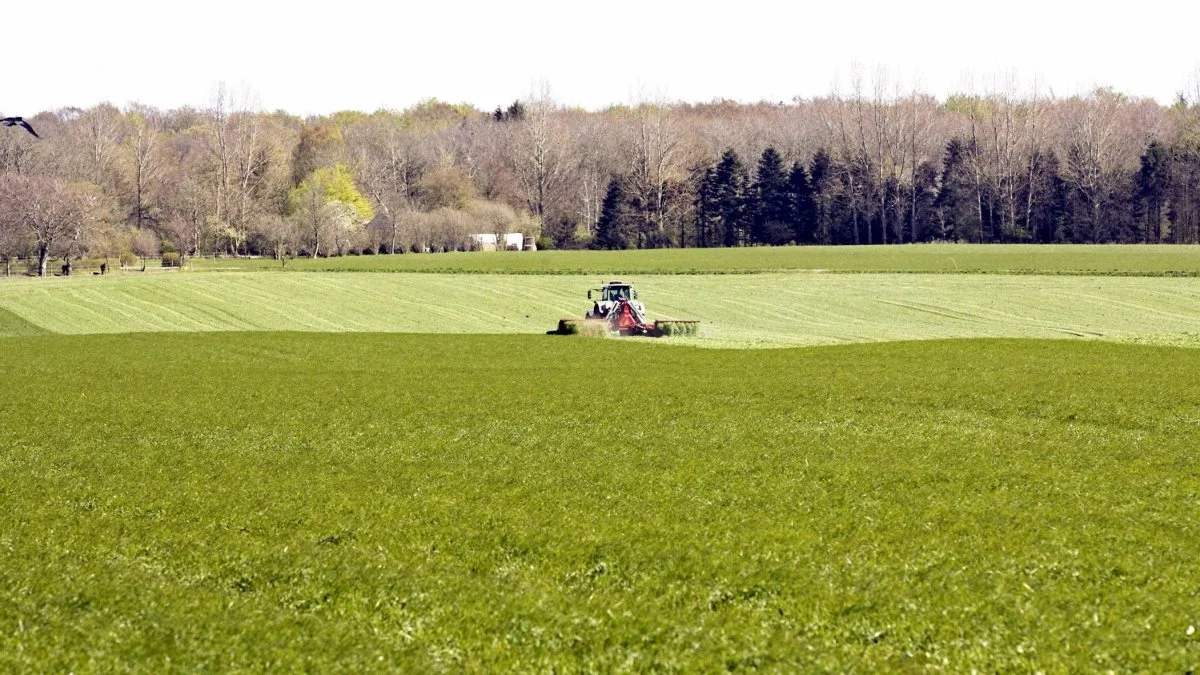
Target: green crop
x=320 y=502
x=678 y=328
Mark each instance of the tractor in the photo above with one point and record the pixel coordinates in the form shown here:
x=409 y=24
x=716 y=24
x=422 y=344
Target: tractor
x=617 y=311
x=611 y=296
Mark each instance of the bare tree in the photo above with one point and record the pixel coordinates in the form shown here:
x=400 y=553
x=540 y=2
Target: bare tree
x=654 y=157
x=388 y=163
x=1096 y=153
x=221 y=154
x=595 y=163
x=145 y=164
x=14 y=241
x=280 y=235
x=56 y=215
x=145 y=244
x=537 y=149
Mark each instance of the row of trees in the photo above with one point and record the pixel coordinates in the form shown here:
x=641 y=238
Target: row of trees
x=874 y=165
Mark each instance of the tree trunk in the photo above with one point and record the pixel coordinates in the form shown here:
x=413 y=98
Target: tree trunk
x=1035 y=236
x=883 y=219
x=979 y=208
x=139 y=198
x=43 y=253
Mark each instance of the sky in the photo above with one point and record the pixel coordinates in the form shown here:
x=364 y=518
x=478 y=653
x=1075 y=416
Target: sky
x=313 y=58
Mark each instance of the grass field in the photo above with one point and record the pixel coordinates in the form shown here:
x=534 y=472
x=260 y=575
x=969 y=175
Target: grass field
x=941 y=258
x=386 y=488
x=736 y=310
x=349 y=502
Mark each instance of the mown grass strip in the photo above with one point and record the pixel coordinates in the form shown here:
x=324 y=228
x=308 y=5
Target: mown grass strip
x=735 y=311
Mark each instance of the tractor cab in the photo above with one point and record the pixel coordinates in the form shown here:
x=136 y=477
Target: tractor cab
x=609 y=295
x=613 y=291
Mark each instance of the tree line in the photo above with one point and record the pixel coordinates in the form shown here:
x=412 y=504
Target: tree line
x=874 y=165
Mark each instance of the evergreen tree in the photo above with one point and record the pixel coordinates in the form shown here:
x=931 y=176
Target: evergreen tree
x=957 y=204
x=731 y=184
x=802 y=209
x=1153 y=183
x=825 y=188
x=723 y=211
x=771 y=208
x=922 y=214
x=1046 y=199
x=615 y=228
x=708 y=212
x=515 y=112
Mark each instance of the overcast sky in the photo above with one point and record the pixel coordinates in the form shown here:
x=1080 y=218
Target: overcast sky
x=307 y=57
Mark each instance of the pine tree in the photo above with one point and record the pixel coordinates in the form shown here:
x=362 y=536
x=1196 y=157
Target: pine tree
x=515 y=112
x=723 y=216
x=922 y=215
x=708 y=213
x=614 y=229
x=802 y=210
x=1153 y=182
x=825 y=188
x=732 y=183
x=1046 y=199
x=956 y=201
x=771 y=208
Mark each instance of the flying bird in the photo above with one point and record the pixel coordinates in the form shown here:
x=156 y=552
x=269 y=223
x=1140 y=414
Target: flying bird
x=18 y=122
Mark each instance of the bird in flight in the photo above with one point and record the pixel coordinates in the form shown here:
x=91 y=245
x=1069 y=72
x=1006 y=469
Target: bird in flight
x=18 y=122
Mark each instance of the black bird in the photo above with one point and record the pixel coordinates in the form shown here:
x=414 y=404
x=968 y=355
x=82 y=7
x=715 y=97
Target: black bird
x=18 y=122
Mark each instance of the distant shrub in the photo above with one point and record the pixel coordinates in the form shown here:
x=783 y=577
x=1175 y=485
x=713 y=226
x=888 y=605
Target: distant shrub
x=172 y=259
x=128 y=259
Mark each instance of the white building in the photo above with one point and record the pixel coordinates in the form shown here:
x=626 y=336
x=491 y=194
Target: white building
x=512 y=241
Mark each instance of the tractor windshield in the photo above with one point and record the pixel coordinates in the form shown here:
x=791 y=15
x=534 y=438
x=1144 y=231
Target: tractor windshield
x=614 y=293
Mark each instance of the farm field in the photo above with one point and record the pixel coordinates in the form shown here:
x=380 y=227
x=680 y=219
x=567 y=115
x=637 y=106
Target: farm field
x=1164 y=260
x=335 y=502
x=342 y=470
x=759 y=310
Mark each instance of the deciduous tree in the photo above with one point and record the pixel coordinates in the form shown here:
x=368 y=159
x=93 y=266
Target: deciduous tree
x=55 y=215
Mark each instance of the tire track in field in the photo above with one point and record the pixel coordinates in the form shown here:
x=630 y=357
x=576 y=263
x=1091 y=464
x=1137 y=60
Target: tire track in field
x=300 y=309
x=165 y=302
x=150 y=314
x=269 y=304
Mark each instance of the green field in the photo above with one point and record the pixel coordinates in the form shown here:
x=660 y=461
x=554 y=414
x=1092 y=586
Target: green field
x=942 y=258
x=347 y=502
x=338 y=471
x=775 y=309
